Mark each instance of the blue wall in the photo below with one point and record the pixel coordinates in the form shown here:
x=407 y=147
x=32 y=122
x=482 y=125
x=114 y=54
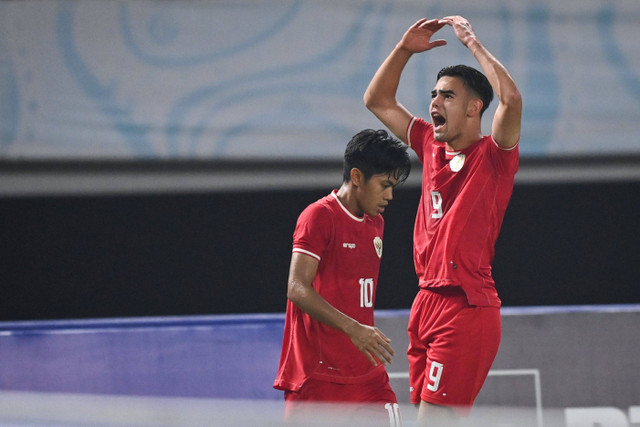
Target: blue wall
x=585 y=356
x=217 y=356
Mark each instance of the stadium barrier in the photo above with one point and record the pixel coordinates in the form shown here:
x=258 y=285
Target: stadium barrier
x=581 y=359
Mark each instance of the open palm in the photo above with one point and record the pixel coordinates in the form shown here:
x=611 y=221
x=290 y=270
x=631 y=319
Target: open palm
x=418 y=37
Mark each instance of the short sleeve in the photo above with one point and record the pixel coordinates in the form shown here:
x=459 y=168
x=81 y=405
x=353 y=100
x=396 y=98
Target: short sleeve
x=505 y=160
x=419 y=132
x=313 y=231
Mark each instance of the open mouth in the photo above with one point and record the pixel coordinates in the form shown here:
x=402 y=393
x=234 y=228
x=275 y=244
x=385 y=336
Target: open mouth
x=438 y=120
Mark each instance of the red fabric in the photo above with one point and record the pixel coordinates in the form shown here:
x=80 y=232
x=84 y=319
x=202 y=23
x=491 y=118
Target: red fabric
x=347 y=278
x=452 y=347
x=460 y=212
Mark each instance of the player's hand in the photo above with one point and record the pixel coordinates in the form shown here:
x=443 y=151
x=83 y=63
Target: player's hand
x=461 y=27
x=418 y=37
x=373 y=343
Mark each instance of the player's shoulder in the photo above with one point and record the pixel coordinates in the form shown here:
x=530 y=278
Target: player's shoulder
x=503 y=160
x=494 y=145
x=419 y=122
x=488 y=145
x=418 y=130
x=322 y=207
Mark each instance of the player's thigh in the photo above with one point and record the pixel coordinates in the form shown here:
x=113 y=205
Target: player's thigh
x=459 y=359
x=418 y=332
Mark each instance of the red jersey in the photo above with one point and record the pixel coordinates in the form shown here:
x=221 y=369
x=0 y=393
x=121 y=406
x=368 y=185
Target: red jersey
x=464 y=198
x=348 y=249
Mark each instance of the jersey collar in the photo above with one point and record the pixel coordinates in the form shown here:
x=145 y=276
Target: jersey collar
x=334 y=193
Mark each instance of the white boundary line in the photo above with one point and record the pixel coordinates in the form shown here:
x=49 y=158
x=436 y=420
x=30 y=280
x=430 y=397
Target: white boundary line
x=501 y=373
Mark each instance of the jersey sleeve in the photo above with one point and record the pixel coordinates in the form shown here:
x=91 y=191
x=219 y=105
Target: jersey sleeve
x=313 y=231
x=505 y=160
x=418 y=133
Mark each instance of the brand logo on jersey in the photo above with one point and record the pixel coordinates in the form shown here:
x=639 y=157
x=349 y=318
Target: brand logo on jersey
x=377 y=243
x=457 y=162
x=349 y=245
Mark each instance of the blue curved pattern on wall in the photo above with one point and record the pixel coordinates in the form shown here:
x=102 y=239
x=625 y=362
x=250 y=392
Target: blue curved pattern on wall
x=165 y=37
x=285 y=78
x=270 y=86
x=117 y=114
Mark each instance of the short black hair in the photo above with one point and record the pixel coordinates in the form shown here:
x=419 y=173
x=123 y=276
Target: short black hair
x=375 y=152
x=473 y=79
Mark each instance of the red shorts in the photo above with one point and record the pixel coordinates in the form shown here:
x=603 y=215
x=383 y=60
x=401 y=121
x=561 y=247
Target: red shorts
x=451 y=348
x=373 y=402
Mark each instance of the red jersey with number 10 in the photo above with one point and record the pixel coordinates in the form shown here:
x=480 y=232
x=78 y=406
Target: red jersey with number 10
x=348 y=249
x=464 y=198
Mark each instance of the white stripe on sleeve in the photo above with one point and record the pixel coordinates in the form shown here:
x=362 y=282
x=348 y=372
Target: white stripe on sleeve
x=311 y=254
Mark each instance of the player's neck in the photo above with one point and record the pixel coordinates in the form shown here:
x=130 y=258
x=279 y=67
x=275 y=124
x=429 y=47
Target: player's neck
x=464 y=140
x=347 y=197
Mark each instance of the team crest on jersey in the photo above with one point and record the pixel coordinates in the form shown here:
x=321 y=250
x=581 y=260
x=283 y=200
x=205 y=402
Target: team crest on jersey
x=377 y=243
x=457 y=162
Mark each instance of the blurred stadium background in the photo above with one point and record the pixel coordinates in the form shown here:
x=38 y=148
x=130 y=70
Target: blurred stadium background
x=154 y=157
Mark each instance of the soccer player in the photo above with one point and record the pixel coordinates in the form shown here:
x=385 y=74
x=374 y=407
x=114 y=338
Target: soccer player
x=331 y=350
x=467 y=181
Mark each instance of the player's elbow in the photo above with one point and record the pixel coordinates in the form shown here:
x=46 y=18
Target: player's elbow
x=372 y=102
x=512 y=99
x=380 y=107
x=368 y=99
x=295 y=292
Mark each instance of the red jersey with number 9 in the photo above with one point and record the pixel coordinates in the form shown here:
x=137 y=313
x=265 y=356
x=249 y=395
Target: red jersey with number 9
x=464 y=198
x=348 y=249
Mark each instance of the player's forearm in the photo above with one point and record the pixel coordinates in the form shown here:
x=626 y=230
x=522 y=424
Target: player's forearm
x=312 y=303
x=501 y=81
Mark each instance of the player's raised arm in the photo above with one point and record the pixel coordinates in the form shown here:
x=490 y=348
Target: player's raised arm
x=369 y=340
x=380 y=96
x=507 y=120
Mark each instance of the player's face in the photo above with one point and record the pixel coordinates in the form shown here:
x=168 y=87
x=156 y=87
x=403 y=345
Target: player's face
x=449 y=103
x=376 y=193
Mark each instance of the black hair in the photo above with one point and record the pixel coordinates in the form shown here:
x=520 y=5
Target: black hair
x=375 y=152
x=473 y=79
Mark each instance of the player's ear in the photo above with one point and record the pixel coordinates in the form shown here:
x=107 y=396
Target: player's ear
x=474 y=107
x=357 y=177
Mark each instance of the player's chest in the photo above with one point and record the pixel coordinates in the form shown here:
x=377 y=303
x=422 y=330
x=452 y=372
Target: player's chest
x=358 y=245
x=448 y=170
x=454 y=180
